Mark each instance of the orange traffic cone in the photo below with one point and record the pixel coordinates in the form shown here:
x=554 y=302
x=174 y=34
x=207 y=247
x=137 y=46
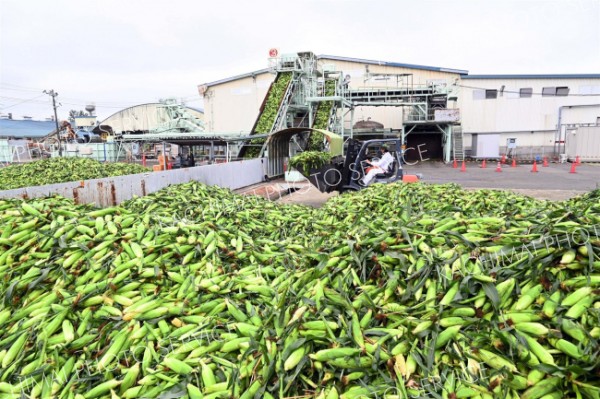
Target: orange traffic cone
x=454 y=164
x=514 y=163
x=463 y=168
x=545 y=164
x=534 y=169
x=503 y=160
x=483 y=165
x=573 y=167
x=577 y=161
x=499 y=167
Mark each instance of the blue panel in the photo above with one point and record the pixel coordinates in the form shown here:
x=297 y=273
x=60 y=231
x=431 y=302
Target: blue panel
x=25 y=128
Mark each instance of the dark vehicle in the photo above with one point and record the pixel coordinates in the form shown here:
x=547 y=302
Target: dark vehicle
x=344 y=173
x=84 y=137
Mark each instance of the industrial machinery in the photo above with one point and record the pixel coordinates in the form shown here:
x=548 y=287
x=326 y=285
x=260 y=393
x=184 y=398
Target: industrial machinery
x=344 y=172
x=305 y=94
x=286 y=103
x=52 y=140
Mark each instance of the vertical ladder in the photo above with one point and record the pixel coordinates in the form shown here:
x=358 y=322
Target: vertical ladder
x=334 y=123
x=457 y=144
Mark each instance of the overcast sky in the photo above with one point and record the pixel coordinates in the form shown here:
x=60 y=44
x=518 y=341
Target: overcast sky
x=122 y=53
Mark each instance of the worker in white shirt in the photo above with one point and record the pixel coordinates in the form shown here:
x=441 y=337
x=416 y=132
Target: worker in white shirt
x=380 y=166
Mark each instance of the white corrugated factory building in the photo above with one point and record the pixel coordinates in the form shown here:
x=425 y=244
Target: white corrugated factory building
x=241 y=96
x=528 y=108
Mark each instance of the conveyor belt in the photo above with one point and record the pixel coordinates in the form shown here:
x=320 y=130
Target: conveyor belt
x=272 y=112
x=386 y=94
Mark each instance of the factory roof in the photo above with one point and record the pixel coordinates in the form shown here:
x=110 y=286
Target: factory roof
x=237 y=77
x=393 y=64
x=349 y=59
x=146 y=104
x=25 y=128
x=549 y=76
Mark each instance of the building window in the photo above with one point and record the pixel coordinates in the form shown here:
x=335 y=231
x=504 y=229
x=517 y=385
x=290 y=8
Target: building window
x=525 y=92
x=478 y=94
x=491 y=94
x=589 y=89
x=555 y=91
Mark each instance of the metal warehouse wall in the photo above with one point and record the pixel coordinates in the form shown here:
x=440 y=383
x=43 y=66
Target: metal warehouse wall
x=357 y=71
x=509 y=113
x=233 y=106
x=584 y=142
x=529 y=145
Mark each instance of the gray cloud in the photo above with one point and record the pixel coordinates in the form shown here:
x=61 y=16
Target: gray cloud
x=121 y=53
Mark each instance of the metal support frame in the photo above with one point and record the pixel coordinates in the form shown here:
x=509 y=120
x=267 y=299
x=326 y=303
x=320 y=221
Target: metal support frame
x=446 y=141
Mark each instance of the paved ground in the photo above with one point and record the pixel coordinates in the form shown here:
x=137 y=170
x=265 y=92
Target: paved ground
x=553 y=182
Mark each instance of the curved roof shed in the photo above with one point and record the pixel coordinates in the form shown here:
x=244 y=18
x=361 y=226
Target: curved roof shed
x=144 y=117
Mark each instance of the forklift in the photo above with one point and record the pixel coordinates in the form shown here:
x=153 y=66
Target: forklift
x=344 y=173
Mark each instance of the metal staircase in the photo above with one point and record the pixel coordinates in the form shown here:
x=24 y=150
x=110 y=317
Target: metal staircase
x=458 y=151
x=179 y=119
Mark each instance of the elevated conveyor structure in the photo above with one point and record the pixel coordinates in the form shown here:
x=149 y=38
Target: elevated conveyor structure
x=272 y=112
x=427 y=121
x=326 y=116
x=285 y=103
x=306 y=95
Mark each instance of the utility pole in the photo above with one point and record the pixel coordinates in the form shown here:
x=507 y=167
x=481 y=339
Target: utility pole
x=53 y=94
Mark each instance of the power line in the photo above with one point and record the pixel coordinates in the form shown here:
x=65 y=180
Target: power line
x=22 y=102
x=18 y=87
x=81 y=103
x=78 y=101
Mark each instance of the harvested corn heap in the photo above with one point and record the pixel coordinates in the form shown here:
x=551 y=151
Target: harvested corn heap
x=395 y=291
x=61 y=170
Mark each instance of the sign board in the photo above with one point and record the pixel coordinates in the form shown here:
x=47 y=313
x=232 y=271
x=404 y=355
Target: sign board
x=446 y=115
x=273 y=53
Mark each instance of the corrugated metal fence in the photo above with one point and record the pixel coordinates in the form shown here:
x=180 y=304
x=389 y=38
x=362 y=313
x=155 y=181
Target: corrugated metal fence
x=114 y=190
